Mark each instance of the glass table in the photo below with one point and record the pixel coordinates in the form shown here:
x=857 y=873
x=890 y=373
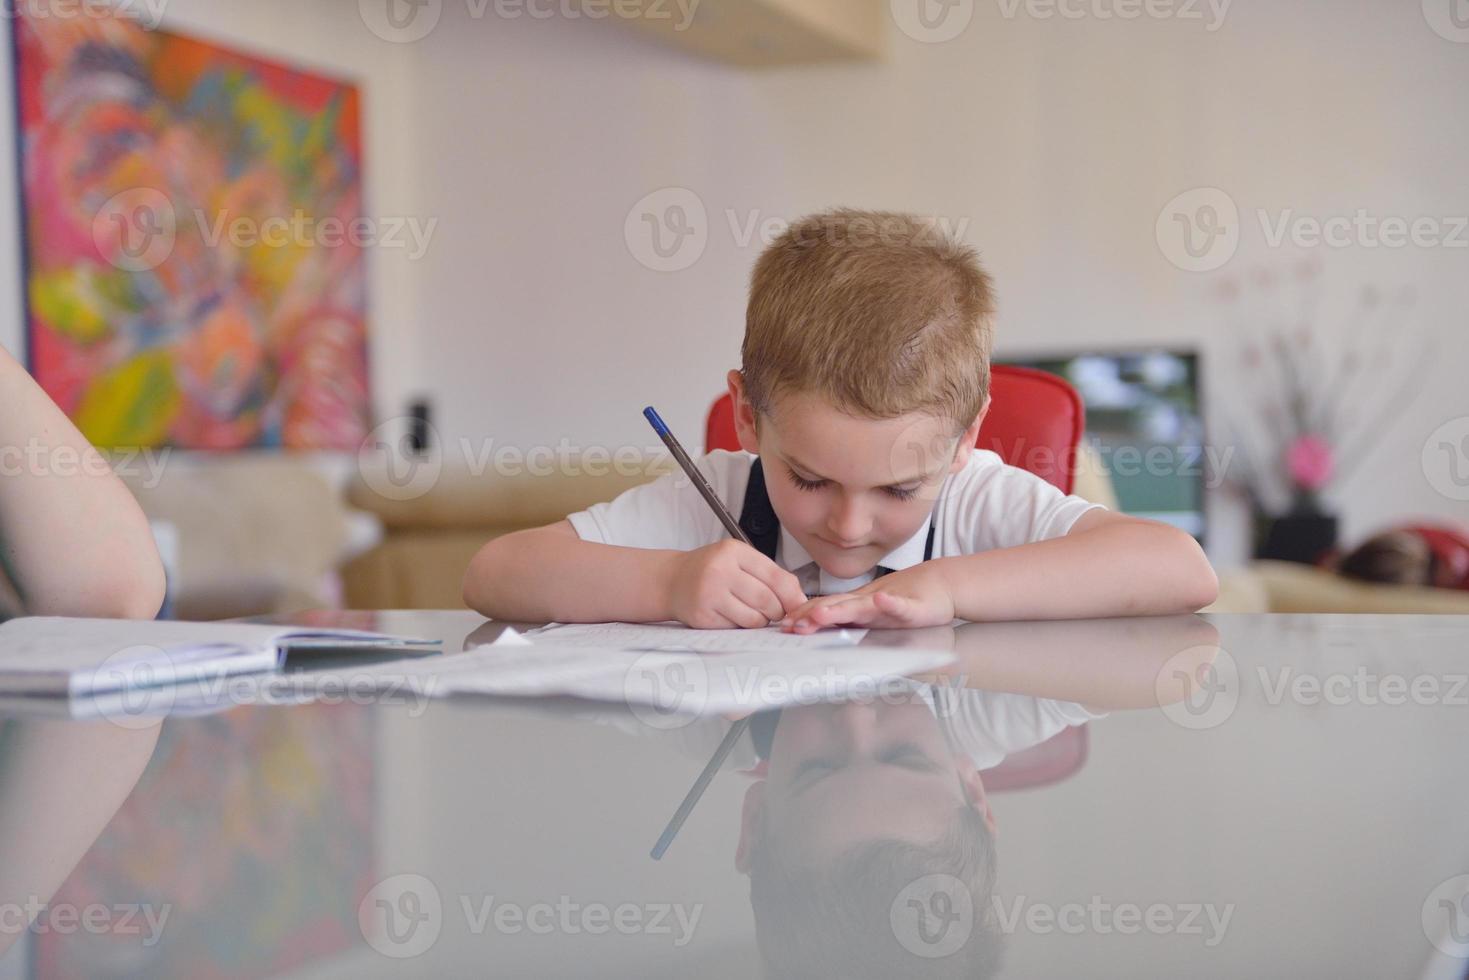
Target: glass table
x=1203 y=796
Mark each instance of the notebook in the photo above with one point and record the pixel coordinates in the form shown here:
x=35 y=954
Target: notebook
x=53 y=656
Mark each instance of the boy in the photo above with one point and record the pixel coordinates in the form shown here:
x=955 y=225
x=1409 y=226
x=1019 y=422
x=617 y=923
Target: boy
x=854 y=810
x=73 y=541
x=865 y=381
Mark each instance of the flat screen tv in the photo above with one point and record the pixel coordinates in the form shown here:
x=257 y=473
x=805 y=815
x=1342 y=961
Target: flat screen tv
x=1144 y=419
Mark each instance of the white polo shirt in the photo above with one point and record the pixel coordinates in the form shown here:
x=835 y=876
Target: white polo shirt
x=986 y=505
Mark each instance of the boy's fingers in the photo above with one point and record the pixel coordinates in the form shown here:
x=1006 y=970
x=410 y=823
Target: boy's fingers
x=742 y=615
x=757 y=595
x=806 y=608
x=786 y=586
x=721 y=622
x=893 y=603
x=848 y=609
x=839 y=611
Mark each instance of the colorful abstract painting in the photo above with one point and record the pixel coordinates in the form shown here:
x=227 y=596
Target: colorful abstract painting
x=193 y=275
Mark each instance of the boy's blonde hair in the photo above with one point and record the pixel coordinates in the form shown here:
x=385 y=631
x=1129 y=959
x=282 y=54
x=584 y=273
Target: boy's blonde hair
x=881 y=314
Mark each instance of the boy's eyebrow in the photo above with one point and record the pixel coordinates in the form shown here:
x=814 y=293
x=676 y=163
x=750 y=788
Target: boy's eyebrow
x=802 y=466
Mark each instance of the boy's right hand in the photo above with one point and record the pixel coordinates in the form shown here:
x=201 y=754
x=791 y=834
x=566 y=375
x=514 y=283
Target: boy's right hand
x=730 y=585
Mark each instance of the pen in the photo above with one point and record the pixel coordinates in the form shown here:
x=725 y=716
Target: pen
x=702 y=485
x=732 y=737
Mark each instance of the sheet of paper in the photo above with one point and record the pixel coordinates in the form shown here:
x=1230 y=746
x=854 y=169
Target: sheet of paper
x=511 y=637
x=654 y=670
x=675 y=636
x=687 y=683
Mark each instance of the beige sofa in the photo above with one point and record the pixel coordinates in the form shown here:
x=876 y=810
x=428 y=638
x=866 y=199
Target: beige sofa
x=429 y=538
x=246 y=534
x=1287 y=587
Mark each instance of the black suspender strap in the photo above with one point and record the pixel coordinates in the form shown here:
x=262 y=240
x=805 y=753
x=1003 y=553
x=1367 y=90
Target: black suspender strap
x=757 y=517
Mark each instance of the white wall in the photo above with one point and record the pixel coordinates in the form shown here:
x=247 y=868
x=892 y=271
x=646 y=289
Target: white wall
x=530 y=321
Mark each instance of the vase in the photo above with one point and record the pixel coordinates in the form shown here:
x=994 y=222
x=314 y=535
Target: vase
x=1303 y=534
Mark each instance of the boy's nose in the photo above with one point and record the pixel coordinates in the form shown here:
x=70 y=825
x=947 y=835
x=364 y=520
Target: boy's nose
x=855 y=725
x=847 y=524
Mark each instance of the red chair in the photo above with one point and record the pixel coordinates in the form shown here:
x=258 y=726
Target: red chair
x=1035 y=422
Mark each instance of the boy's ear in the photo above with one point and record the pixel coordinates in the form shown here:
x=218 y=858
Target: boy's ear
x=749 y=818
x=744 y=415
x=969 y=437
x=974 y=791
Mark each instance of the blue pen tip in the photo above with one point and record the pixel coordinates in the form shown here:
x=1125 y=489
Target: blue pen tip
x=654 y=419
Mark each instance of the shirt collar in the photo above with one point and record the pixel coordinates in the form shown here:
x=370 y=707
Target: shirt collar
x=905 y=555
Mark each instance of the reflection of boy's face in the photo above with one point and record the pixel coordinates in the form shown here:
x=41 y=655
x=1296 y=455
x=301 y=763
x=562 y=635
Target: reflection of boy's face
x=841 y=774
x=850 y=490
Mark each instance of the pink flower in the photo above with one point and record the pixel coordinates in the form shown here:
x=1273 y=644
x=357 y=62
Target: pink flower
x=1310 y=462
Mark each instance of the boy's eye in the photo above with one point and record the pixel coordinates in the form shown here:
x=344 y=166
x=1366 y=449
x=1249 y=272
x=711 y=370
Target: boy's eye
x=898 y=493
x=802 y=484
x=908 y=756
x=813 y=766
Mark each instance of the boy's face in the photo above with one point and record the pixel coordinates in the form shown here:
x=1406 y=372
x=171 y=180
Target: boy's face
x=842 y=774
x=850 y=490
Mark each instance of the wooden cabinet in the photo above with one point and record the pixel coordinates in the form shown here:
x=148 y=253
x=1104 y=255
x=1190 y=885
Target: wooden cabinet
x=765 y=33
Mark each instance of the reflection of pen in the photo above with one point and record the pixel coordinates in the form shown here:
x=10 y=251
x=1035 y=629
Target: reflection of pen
x=738 y=728
x=700 y=784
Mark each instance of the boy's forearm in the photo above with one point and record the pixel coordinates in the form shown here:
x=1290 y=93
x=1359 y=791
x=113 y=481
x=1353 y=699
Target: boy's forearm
x=1134 y=569
x=535 y=576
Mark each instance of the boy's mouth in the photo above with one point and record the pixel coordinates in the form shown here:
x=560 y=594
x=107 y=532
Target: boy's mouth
x=839 y=546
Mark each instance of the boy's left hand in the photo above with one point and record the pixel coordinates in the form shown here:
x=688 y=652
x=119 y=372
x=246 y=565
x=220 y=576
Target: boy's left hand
x=905 y=599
